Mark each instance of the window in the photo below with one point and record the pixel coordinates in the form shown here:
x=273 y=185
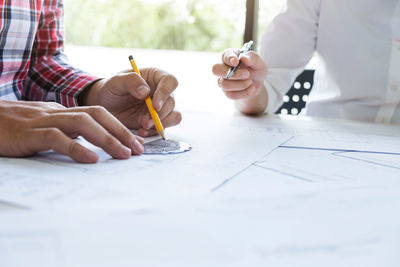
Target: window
x=197 y=25
x=101 y=34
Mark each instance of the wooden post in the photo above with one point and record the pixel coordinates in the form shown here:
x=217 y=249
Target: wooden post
x=250 y=32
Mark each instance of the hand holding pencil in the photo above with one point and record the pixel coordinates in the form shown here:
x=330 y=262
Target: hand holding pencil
x=149 y=103
x=124 y=96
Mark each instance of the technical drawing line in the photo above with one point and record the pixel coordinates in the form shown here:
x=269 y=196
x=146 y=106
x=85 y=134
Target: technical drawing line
x=226 y=181
x=287 y=141
x=285 y=173
x=341 y=150
x=341 y=154
x=15 y=205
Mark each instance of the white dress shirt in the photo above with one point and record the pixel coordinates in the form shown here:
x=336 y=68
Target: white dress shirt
x=358 y=47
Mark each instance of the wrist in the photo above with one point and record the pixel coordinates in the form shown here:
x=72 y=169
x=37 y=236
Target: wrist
x=89 y=95
x=255 y=104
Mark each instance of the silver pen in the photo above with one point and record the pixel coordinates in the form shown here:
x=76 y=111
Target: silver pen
x=246 y=48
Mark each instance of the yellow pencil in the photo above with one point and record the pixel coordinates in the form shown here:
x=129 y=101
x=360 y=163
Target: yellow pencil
x=149 y=103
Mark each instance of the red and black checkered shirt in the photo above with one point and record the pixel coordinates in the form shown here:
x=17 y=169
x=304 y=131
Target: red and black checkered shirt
x=33 y=65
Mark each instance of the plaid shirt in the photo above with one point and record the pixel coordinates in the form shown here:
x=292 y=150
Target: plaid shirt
x=33 y=65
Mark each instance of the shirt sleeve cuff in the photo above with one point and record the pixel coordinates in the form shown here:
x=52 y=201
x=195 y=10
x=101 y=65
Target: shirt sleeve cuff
x=275 y=98
x=69 y=98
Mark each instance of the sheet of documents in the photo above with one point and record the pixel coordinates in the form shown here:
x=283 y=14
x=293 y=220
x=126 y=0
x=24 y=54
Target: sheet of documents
x=244 y=202
x=219 y=152
x=339 y=141
x=240 y=233
x=326 y=134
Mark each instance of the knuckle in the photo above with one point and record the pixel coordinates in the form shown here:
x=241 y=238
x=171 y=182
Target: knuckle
x=132 y=79
x=248 y=83
x=73 y=148
x=51 y=134
x=164 y=94
x=215 y=69
x=224 y=84
x=220 y=80
x=97 y=111
x=230 y=95
x=118 y=77
x=178 y=117
x=109 y=141
x=173 y=80
x=81 y=117
x=171 y=101
x=126 y=134
x=54 y=106
x=227 y=52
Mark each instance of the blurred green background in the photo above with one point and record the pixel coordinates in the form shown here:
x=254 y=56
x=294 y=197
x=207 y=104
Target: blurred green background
x=198 y=25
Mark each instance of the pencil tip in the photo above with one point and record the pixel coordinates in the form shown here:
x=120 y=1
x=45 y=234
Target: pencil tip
x=130 y=57
x=162 y=135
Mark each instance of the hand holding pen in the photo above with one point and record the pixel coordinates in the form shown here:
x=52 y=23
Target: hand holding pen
x=242 y=73
x=245 y=49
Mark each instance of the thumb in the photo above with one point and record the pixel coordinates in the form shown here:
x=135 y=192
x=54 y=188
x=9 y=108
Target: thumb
x=133 y=84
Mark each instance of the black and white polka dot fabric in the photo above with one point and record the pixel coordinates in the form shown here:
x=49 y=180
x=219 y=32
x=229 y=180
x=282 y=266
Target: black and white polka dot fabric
x=295 y=100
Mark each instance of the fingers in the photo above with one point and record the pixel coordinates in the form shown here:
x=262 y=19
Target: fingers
x=168 y=107
x=166 y=85
x=251 y=63
x=54 y=127
x=173 y=118
x=231 y=57
x=221 y=70
x=52 y=138
x=247 y=80
x=239 y=89
x=229 y=85
x=114 y=127
x=246 y=93
x=81 y=123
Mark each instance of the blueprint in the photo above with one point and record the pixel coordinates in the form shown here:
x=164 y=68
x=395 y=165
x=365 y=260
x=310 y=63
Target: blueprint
x=252 y=192
x=238 y=233
x=219 y=151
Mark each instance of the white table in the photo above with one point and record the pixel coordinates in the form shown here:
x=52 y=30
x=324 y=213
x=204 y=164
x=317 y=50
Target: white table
x=302 y=207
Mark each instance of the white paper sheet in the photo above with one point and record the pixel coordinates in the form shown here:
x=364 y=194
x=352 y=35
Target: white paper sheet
x=325 y=134
x=219 y=152
x=241 y=204
x=324 y=234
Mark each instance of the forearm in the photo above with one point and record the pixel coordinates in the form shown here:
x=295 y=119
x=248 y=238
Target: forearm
x=50 y=76
x=255 y=104
x=51 y=79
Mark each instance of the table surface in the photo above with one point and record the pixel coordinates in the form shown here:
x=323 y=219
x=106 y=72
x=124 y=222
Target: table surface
x=346 y=192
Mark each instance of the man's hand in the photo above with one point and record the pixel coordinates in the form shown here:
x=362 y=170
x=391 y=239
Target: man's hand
x=30 y=127
x=123 y=95
x=246 y=86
